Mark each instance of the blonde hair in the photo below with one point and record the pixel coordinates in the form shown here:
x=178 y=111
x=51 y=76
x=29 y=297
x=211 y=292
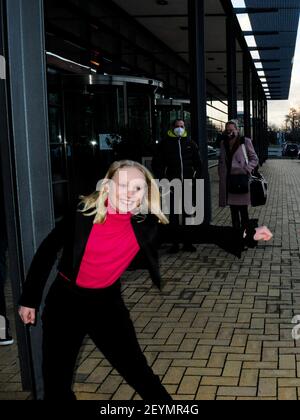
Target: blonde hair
x=95 y=203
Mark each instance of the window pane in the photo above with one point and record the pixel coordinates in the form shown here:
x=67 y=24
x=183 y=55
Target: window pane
x=58 y=165
x=60 y=199
x=55 y=125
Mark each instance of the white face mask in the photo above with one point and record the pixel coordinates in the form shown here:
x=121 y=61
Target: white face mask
x=179 y=131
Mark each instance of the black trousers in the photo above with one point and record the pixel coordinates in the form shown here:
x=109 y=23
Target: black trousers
x=239 y=216
x=70 y=313
x=177 y=219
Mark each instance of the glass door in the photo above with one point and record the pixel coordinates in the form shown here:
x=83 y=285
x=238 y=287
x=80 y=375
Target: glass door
x=93 y=119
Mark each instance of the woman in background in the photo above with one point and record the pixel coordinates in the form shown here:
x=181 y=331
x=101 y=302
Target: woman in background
x=232 y=161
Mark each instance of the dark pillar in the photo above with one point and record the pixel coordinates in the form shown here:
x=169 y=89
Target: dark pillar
x=246 y=89
x=198 y=91
x=11 y=204
x=262 y=136
x=266 y=129
x=25 y=145
x=231 y=68
x=261 y=126
x=254 y=114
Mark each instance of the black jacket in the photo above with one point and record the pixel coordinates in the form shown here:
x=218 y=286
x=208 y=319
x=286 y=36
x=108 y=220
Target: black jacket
x=71 y=236
x=177 y=158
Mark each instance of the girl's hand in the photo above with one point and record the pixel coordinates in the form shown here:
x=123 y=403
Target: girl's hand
x=263 y=234
x=27 y=314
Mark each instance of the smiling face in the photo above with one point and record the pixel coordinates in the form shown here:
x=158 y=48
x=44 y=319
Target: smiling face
x=127 y=190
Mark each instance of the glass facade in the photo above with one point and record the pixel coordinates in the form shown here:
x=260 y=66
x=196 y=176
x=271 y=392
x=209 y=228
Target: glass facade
x=217 y=116
x=59 y=148
x=92 y=123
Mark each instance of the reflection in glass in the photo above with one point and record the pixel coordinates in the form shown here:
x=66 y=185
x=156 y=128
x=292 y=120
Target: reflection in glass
x=60 y=198
x=55 y=124
x=57 y=162
x=217 y=116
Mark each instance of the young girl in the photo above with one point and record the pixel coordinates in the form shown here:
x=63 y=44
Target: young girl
x=99 y=241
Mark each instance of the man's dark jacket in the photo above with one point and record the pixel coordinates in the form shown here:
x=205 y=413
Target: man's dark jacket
x=71 y=235
x=177 y=158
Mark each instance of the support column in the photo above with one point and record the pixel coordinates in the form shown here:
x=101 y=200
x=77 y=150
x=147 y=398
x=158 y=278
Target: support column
x=196 y=18
x=231 y=68
x=25 y=147
x=262 y=136
x=266 y=129
x=254 y=114
x=260 y=128
x=246 y=89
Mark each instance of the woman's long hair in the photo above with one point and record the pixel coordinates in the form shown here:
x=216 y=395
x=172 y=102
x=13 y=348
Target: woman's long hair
x=96 y=203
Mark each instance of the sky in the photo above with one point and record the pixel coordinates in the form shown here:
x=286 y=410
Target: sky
x=278 y=109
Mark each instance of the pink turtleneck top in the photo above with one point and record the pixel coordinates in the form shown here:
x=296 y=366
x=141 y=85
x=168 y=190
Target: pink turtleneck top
x=110 y=249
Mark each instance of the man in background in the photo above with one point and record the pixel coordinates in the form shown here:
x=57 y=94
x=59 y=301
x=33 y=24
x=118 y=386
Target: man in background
x=177 y=157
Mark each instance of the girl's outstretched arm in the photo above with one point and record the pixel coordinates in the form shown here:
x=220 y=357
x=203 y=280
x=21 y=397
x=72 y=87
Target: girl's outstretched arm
x=228 y=238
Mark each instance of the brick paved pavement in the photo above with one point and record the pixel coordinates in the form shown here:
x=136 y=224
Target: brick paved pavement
x=221 y=328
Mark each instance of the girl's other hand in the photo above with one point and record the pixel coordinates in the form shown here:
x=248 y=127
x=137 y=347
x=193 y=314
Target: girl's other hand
x=263 y=234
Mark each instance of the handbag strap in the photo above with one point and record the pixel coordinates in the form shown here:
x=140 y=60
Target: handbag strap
x=245 y=153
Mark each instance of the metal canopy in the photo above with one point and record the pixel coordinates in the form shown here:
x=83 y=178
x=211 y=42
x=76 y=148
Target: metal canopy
x=100 y=79
x=169 y=23
x=275 y=29
x=274 y=24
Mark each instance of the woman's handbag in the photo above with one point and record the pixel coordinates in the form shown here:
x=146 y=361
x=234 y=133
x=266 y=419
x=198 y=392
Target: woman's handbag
x=258 y=186
x=258 y=190
x=238 y=184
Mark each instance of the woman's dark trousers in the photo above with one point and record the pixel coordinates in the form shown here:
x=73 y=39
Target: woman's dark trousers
x=239 y=217
x=70 y=314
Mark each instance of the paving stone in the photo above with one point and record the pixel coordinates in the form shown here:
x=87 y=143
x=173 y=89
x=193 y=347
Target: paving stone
x=98 y=375
x=110 y=385
x=124 y=392
x=289 y=394
x=237 y=391
x=84 y=387
x=219 y=381
x=267 y=387
x=206 y=393
x=173 y=375
x=287 y=362
x=87 y=366
x=232 y=369
x=189 y=385
x=217 y=360
x=249 y=377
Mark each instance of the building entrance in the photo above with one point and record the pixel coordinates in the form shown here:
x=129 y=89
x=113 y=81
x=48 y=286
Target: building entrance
x=95 y=120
